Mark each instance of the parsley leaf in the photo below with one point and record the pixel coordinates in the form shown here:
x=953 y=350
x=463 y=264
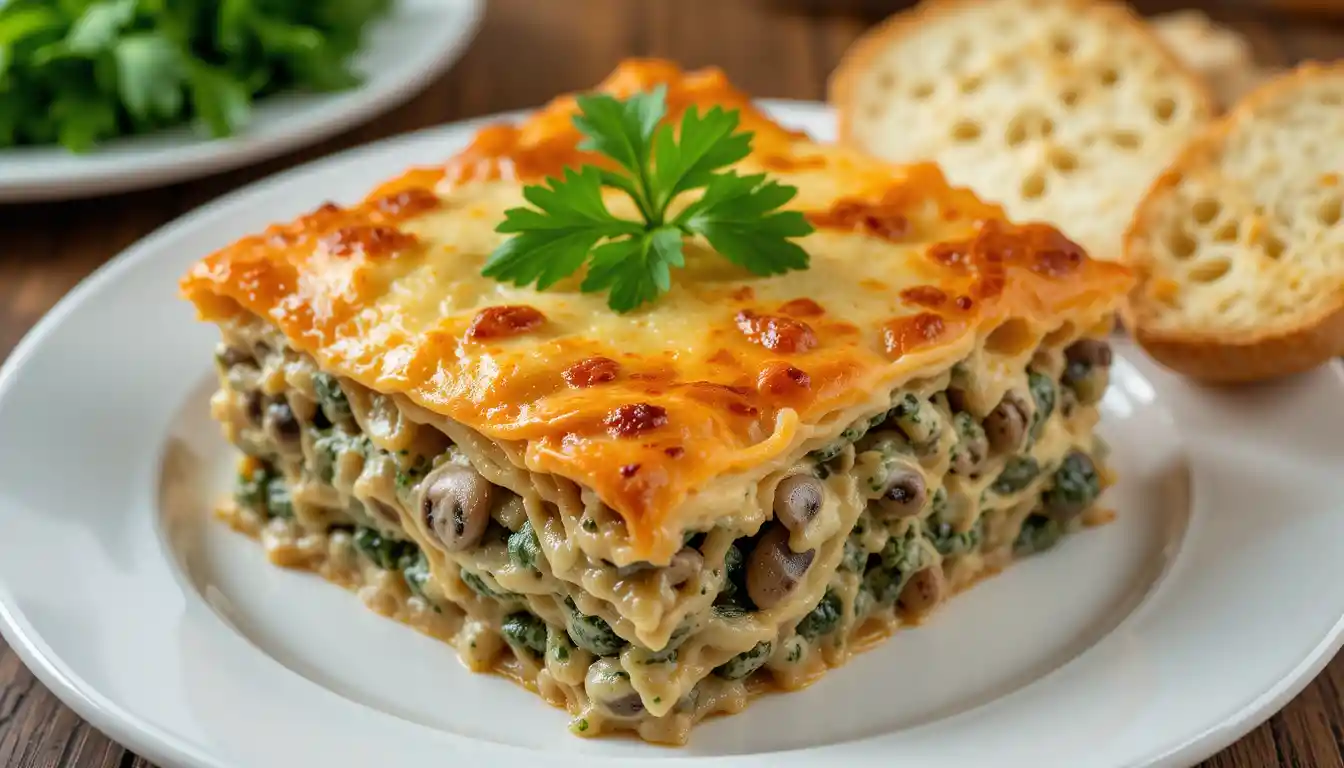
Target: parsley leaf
x=636 y=270
x=734 y=215
x=569 y=225
x=707 y=145
x=621 y=130
x=553 y=241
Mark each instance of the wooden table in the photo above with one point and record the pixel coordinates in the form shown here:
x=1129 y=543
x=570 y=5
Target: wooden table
x=528 y=51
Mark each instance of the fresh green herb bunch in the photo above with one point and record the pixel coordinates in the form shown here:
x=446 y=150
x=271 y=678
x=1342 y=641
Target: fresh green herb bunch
x=78 y=72
x=739 y=215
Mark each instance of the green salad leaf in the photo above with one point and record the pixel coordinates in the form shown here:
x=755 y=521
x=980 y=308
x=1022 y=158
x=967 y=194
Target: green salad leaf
x=80 y=72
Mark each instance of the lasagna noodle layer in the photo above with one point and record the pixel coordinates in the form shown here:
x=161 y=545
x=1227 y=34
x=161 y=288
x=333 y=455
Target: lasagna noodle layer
x=673 y=673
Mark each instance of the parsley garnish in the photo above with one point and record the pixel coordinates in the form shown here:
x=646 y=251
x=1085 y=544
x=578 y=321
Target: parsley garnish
x=737 y=214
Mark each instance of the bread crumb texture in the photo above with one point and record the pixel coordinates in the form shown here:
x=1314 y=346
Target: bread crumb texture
x=1061 y=110
x=1221 y=55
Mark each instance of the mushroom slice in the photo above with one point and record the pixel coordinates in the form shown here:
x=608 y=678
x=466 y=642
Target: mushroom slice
x=455 y=503
x=775 y=570
x=797 y=500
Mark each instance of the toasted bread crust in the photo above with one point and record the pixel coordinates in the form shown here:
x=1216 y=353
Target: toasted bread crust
x=1248 y=360
x=1267 y=351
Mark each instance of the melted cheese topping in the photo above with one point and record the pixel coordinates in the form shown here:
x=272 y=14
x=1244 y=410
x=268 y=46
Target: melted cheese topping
x=667 y=413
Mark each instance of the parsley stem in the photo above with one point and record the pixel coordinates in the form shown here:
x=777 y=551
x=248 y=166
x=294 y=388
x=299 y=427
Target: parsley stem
x=646 y=209
x=655 y=211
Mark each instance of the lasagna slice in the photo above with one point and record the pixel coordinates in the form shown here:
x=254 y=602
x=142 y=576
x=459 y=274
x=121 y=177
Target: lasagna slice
x=648 y=517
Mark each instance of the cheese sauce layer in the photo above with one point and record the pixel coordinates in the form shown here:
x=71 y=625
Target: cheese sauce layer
x=726 y=373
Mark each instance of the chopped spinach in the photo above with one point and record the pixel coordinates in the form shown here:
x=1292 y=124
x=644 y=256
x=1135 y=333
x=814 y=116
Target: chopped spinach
x=524 y=548
x=972 y=446
x=900 y=557
x=416 y=573
x=679 y=635
x=409 y=476
x=558 y=644
x=908 y=408
x=894 y=454
x=668 y=653
x=592 y=633
x=746 y=662
x=863 y=603
x=883 y=585
x=327 y=448
x=729 y=611
x=828 y=452
x=734 y=590
x=1016 y=475
x=265 y=492
x=665 y=656
x=1076 y=486
x=821 y=470
x=252 y=489
x=938 y=505
x=855 y=555
x=949 y=541
x=1088 y=367
x=823 y=619
x=919 y=422
x=479 y=586
x=849 y=435
x=854 y=431
x=278 y=502
x=1039 y=533
x=524 y=630
x=903 y=553
x=330 y=397
x=386 y=553
x=1043 y=394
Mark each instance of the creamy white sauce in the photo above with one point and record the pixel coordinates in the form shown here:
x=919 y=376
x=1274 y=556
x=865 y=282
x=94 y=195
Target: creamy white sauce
x=582 y=542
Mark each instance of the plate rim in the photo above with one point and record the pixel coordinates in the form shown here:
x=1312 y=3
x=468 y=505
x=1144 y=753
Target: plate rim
x=199 y=157
x=166 y=748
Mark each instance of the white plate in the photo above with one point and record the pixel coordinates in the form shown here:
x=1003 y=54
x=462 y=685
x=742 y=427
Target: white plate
x=1211 y=600
x=404 y=52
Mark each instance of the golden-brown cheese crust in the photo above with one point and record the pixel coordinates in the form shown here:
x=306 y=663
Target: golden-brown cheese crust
x=723 y=373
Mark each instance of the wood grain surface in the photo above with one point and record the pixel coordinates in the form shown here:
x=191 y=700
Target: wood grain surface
x=527 y=51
